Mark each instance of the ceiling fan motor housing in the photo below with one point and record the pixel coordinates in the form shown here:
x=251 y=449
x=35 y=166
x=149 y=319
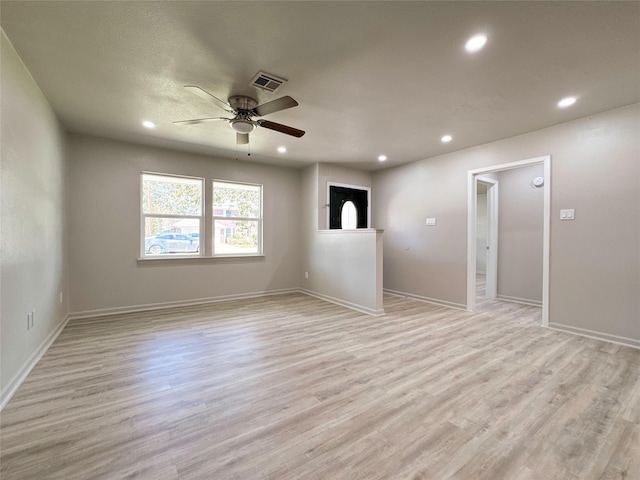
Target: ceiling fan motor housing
x=243 y=106
x=242 y=102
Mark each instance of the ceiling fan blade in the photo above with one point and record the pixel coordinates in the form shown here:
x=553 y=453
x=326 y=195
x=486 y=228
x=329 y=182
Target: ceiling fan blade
x=278 y=127
x=195 y=121
x=202 y=93
x=242 y=138
x=273 y=106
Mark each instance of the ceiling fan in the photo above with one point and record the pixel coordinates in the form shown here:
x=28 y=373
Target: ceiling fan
x=243 y=109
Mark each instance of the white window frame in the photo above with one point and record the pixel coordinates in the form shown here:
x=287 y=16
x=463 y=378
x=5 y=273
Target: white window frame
x=144 y=216
x=224 y=217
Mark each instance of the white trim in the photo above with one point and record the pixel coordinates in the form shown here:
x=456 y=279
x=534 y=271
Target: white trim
x=350 y=231
x=523 y=301
x=180 y=303
x=546 y=230
x=583 y=332
x=442 y=303
x=344 y=303
x=31 y=362
x=346 y=185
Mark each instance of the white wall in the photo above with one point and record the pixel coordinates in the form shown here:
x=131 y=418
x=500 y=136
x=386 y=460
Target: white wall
x=32 y=222
x=105 y=224
x=346 y=267
x=595 y=259
x=520 y=234
x=343 y=266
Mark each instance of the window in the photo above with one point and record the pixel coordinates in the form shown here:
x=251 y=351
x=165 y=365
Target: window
x=171 y=215
x=173 y=219
x=237 y=218
x=348 y=206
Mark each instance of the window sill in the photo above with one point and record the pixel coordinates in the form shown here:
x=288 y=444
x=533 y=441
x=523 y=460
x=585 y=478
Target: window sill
x=335 y=231
x=199 y=259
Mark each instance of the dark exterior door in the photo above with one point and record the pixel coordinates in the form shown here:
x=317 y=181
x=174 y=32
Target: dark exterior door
x=338 y=196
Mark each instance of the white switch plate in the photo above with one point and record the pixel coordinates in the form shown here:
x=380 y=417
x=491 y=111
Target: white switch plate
x=567 y=214
x=430 y=221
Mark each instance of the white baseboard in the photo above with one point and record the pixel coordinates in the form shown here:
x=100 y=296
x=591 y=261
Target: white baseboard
x=523 y=301
x=344 y=303
x=31 y=362
x=443 y=303
x=180 y=303
x=583 y=332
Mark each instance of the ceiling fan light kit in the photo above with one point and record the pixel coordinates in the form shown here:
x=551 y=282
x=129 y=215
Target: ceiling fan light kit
x=241 y=125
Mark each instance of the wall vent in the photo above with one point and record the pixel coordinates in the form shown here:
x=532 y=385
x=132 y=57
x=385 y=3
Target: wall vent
x=268 y=82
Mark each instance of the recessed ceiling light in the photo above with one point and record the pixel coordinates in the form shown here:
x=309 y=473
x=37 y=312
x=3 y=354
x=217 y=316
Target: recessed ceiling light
x=475 y=43
x=282 y=149
x=446 y=139
x=567 y=102
x=382 y=158
x=148 y=124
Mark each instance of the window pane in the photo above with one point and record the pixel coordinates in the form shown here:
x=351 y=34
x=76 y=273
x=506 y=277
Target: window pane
x=171 y=195
x=236 y=200
x=235 y=236
x=167 y=236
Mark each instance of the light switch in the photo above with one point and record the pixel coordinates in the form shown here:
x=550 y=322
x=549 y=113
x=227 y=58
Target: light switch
x=567 y=214
x=431 y=222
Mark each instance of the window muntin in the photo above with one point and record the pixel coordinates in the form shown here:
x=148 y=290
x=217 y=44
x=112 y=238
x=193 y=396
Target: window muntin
x=237 y=218
x=171 y=214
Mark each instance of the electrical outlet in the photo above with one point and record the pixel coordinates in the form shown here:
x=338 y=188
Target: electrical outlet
x=28 y=321
x=60 y=297
x=306 y=274
x=33 y=316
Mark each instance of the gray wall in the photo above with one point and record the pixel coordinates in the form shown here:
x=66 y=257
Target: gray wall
x=32 y=221
x=104 y=198
x=520 y=234
x=595 y=259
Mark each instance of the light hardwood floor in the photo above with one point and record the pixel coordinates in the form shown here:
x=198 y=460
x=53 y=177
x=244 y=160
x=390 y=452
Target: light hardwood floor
x=290 y=387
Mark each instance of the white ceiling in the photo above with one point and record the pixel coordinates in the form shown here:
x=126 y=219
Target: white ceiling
x=370 y=77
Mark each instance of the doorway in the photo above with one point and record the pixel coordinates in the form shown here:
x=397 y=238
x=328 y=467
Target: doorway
x=484 y=177
x=486 y=238
x=348 y=206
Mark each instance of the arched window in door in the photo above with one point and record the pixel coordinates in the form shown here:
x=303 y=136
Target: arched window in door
x=349 y=216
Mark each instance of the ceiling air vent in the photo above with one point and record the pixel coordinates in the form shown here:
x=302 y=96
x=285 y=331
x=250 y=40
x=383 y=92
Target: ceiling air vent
x=266 y=81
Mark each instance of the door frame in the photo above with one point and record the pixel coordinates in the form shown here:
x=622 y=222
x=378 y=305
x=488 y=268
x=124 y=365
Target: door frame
x=354 y=187
x=471 y=227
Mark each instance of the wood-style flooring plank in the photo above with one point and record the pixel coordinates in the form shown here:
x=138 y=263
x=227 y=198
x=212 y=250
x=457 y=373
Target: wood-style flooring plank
x=290 y=387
